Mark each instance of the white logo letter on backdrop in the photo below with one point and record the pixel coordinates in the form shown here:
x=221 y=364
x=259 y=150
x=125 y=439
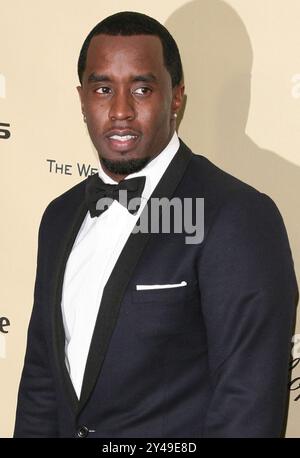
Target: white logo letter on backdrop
x=2 y=86
x=296 y=86
x=2 y=347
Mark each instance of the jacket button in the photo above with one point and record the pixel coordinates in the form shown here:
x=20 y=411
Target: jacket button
x=82 y=432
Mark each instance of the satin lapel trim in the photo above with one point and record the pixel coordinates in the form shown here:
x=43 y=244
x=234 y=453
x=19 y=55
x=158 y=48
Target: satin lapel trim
x=58 y=327
x=120 y=277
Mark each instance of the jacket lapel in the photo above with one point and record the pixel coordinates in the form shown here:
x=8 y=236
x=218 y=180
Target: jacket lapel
x=120 y=277
x=73 y=218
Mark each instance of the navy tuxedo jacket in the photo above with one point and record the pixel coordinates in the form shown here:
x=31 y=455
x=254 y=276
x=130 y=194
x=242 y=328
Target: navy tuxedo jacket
x=206 y=360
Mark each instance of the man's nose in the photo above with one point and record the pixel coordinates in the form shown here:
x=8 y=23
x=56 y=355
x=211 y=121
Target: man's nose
x=122 y=107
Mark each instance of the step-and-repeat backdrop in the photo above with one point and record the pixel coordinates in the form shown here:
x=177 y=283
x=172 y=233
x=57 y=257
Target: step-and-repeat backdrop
x=242 y=75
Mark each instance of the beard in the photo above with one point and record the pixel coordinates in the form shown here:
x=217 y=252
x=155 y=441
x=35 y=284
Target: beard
x=125 y=167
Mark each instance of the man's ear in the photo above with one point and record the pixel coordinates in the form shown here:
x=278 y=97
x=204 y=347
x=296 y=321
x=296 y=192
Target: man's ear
x=178 y=95
x=80 y=92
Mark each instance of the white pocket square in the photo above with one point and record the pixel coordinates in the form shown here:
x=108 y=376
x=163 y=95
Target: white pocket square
x=173 y=285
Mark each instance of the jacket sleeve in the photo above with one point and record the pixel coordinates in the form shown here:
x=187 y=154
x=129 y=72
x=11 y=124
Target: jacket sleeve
x=36 y=406
x=249 y=294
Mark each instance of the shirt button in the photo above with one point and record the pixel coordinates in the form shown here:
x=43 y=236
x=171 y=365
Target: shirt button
x=82 y=431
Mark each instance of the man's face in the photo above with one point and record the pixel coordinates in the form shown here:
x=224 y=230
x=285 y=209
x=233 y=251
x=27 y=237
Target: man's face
x=127 y=97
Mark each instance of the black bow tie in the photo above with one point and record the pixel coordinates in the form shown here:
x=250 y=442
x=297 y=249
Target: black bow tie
x=96 y=189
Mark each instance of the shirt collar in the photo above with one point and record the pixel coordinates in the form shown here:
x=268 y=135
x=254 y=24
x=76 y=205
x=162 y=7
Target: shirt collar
x=153 y=171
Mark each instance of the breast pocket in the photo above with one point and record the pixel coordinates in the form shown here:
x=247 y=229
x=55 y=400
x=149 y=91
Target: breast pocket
x=164 y=312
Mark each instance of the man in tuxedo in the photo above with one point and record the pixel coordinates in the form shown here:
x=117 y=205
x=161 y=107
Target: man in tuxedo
x=139 y=333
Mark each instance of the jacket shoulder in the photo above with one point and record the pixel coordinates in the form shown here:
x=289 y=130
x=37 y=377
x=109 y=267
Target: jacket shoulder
x=226 y=198
x=213 y=181
x=65 y=204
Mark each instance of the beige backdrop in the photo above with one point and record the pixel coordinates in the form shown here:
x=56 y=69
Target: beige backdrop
x=242 y=74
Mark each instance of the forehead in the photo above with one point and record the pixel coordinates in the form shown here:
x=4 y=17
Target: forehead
x=122 y=53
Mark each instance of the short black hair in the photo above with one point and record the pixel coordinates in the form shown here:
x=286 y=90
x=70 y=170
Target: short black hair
x=128 y=23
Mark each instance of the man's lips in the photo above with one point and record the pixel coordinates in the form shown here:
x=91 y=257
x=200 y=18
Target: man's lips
x=122 y=139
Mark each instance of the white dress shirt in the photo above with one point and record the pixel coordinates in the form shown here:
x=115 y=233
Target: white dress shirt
x=95 y=252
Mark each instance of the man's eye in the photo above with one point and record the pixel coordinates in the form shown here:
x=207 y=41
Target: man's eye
x=142 y=91
x=103 y=90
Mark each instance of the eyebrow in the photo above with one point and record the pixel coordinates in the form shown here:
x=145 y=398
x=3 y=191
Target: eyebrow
x=97 y=78
x=147 y=78
x=94 y=78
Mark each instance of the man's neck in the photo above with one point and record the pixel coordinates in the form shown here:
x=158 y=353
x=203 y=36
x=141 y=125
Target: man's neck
x=114 y=176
